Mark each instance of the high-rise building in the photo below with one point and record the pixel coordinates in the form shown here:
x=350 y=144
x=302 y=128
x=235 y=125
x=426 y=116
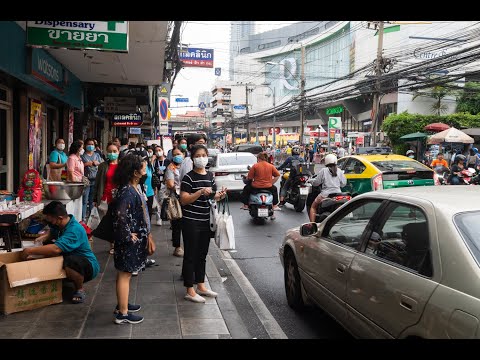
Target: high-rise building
x=205 y=97
x=238 y=30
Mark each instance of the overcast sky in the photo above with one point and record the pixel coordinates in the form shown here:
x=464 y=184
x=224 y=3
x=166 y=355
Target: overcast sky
x=215 y=35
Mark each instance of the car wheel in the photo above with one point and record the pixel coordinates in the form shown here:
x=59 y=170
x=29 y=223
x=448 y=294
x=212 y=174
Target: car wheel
x=293 y=286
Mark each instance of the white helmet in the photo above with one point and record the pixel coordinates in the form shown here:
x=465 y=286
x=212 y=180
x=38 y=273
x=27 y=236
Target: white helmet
x=330 y=159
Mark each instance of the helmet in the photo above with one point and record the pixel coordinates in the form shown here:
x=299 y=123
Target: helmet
x=475 y=150
x=330 y=159
x=296 y=150
x=460 y=157
x=410 y=152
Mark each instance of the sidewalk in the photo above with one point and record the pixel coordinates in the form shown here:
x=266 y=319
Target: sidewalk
x=158 y=289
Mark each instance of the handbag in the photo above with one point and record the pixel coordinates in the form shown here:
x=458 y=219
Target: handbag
x=104 y=229
x=156 y=182
x=213 y=215
x=174 y=209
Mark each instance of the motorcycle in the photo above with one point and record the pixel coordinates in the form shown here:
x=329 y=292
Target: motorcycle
x=467 y=177
x=299 y=188
x=441 y=175
x=330 y=204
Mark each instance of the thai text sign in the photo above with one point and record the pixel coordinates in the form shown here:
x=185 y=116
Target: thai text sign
x=98 y=35
x=45 y=68
x=334 y=110
x=127 y=119
x=195 y=57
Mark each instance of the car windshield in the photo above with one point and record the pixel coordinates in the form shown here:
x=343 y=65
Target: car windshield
x=469 y=225
x=236 y=160
x=399 y=165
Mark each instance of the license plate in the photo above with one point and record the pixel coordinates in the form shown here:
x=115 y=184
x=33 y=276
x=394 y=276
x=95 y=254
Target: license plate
x=238 y=176
x=304 y=191
x=262 y=212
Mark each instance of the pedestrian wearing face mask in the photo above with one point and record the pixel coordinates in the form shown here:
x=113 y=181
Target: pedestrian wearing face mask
x=172 y=182
x=57 y=162
x=104 y=187
x=75 y=167
x=160 y=165
x=91 y=160
x=195 y=139
x=197 y=187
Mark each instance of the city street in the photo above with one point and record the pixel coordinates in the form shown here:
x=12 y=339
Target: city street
x=257 y=256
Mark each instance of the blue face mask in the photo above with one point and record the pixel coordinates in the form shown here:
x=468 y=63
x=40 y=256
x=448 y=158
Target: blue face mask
x=177 y=159
x=162 y=168
x=90 y=147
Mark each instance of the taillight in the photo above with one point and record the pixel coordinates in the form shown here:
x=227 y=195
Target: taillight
x=222 y=174
x=303 y=179
x=263 y=198
x=377 y=182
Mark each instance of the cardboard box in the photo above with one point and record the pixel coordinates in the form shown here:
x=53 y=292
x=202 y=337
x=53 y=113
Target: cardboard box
x=27 y=285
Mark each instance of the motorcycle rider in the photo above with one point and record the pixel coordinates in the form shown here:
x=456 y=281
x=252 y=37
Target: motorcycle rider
x=331 y=178
x=263 y=175
x=457 y=167
x=439 y=161
x=410 y=154
x=289 y=162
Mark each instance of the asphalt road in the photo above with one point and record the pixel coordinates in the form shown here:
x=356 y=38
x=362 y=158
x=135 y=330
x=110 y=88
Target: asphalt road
x=257 y=256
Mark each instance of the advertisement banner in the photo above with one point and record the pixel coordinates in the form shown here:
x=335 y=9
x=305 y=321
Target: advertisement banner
x=127 y=120
x=70 y=128
x=96 y=35
x=46 y=69
x=35 y=135
x=195 y=57
x=331 y=137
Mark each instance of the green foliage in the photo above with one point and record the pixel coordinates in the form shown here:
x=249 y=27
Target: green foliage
x=402 y=124
x=438 y=92
x=469 y=100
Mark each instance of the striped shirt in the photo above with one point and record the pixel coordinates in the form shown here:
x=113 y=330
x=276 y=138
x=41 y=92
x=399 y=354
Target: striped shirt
x=199 y=210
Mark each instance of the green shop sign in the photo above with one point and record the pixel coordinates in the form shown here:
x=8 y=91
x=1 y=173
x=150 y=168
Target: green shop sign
x=334 y=110
x=97 y=35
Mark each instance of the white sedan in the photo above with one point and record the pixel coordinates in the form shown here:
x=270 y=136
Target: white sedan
x=229 y=168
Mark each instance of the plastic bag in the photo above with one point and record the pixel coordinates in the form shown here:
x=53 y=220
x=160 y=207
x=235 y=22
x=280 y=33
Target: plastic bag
x=155 y=204
x=225 y=235
x=94 y=219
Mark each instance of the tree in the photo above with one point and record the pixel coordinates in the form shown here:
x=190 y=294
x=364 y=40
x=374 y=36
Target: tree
x=438 y=92
x=469 y=99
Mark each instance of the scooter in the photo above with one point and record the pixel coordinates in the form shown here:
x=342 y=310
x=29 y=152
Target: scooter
x=441 y=175
x=260 y=205
x=330 y=204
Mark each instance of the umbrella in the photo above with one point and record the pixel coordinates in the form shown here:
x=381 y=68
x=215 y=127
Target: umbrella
x=451 y=135
x=436 y=127
x=414 y=136
x=472 y=131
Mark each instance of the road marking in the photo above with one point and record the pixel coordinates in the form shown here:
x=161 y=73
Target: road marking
x=266 y=318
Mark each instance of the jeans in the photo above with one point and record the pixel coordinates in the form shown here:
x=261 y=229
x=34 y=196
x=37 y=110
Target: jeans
x=88 y=199
x=455 y=180
x=286 y=186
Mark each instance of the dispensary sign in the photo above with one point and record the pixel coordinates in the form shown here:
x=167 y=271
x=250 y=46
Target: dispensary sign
x=98 y=35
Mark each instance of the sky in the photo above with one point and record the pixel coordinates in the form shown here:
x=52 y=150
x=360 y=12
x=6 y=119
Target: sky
x=215 y=35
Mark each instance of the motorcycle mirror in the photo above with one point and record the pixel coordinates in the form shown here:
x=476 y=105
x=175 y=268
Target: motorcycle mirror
x=249 y=167
x=308 y=229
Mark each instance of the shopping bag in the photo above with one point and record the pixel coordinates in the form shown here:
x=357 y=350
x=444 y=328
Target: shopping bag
x=224 y=227
x=155 y=203
x=94 y=219
x=102 y=208
x=230 y=228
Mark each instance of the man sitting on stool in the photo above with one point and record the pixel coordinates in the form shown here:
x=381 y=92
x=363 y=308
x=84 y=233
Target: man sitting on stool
x=79 y=261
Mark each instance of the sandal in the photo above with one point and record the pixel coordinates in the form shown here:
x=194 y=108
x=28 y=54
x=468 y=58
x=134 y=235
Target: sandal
x=79 y=297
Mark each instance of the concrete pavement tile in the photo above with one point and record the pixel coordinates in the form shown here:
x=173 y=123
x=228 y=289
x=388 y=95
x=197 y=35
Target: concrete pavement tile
x=14 y=330
x=100 y=324
x=225 y=336
x=200 y=312
x=56 y=329
x=201 y=337
x=155 y=293
x=182 y=301
x=165 y=337
x=203 y=326
x=155 y=276
x=24 y=316
x=159 y=312
x=235 y=324
x=65 y=312
x=156 y=328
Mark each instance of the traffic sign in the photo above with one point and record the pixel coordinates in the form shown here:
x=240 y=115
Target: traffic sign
x=181 y=99
x=239 y=107
x=218 y=71
x=163 y=109
x=202 y=105
x=163 y=128
x=165 y=89
x=136 y=131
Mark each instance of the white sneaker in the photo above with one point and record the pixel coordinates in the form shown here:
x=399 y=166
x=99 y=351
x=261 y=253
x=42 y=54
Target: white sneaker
x=159 y=222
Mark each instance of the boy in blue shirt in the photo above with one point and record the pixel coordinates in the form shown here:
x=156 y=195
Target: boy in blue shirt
x=79 y=261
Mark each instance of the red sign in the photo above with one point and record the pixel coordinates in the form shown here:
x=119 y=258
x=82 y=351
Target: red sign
x=277 y=131
x=359 y=140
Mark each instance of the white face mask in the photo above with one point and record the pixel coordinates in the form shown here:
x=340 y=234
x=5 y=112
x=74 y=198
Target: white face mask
x=82 y=151
x=61 y=147
x=150 y=154
x=200 y=162
x=159 y=153
x=411 y=156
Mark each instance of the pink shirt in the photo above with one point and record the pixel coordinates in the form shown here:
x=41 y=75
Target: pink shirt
x=75 y=164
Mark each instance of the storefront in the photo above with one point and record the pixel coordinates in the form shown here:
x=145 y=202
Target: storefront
x=38 y=98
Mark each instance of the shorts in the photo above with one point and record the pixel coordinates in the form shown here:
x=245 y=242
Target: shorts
x=80 y=264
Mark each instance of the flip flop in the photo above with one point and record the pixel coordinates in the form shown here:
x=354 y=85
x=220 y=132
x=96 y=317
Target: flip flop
x=80 y=296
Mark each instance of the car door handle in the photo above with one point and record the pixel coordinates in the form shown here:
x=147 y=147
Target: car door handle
x=341 y=268
x=408 y=303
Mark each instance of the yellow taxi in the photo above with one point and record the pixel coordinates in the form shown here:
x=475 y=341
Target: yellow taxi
x=377 y=168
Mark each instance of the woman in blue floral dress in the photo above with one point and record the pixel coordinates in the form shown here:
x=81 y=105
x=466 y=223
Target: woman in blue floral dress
x=131 y=229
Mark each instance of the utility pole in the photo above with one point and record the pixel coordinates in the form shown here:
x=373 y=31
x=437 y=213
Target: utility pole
x=274 y=128
x=376 y=96
x=302 y=96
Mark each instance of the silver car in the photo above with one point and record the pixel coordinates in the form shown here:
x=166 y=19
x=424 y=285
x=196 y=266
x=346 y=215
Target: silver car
x=398 y=263
x=228 y=169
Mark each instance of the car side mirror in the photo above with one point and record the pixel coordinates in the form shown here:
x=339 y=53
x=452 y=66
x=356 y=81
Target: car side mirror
x=249 y=167
x=308 y=229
